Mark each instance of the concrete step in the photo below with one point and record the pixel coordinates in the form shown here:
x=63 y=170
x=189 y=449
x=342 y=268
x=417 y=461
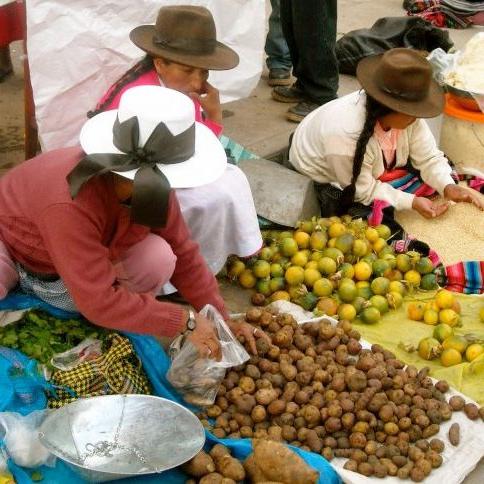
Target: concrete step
x=259 y=123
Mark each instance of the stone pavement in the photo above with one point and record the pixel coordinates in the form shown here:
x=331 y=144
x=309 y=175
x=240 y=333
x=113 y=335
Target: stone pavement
x=256 y=122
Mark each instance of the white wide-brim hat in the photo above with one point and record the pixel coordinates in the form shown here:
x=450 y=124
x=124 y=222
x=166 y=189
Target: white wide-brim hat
x=152 y=105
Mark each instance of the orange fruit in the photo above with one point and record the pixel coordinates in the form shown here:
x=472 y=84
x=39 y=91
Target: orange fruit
x=415 y=311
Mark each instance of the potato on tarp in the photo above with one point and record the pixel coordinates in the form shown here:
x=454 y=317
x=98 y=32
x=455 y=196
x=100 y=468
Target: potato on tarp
x=272 y=461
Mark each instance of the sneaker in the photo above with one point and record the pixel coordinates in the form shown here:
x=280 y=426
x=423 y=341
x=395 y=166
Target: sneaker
x=289 y=94
x=279 y=77
x=298 y=112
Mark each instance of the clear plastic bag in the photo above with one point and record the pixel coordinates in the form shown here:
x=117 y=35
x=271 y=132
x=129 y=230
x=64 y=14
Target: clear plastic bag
x=86 y=350
x=20 y=434
x=442 y=63
x=198 y=379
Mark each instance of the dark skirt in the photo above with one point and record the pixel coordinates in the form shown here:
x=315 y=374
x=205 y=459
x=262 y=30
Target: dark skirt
x=329 y=198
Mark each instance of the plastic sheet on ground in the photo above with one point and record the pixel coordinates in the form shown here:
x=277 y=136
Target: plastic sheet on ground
x=458 y=462
x=395 y=327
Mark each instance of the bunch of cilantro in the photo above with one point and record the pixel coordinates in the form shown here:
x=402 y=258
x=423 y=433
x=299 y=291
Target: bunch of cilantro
x=40 y=335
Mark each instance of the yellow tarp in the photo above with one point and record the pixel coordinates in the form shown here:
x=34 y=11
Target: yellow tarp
x=395 y=327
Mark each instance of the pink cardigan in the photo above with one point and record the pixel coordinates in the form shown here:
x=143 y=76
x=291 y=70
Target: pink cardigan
x=47 y=231
x=151 y=78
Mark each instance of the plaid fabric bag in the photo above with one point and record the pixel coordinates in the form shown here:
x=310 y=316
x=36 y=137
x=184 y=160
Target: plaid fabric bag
x=117 y=371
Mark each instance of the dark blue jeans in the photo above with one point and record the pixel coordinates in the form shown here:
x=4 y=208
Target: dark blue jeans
x=309 y=27
x=278 y=56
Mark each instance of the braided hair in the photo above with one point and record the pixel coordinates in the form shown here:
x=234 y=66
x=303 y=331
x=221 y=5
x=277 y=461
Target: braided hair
x=141 y=67
x=374 y=110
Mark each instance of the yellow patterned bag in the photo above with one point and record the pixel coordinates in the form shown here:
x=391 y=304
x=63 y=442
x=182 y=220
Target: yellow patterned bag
x=117 y=371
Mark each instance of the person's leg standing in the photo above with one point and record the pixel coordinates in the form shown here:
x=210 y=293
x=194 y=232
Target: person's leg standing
x=278 y=56
x=288 y=94
x=311 y=38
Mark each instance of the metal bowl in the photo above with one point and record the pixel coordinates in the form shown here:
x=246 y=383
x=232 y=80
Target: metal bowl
x=463 y=98
x=119 y=436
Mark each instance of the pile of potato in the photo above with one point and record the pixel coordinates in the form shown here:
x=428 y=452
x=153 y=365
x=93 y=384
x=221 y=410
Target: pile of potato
x=316 y=388
x=270 y=462
x=217 y=467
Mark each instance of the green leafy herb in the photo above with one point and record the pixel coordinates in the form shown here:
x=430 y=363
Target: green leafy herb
x=40 y=335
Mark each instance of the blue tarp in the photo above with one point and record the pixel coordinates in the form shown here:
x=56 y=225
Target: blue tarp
x=156 y=363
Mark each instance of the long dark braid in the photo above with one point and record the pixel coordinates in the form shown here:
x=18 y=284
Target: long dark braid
x=144 y=65
x=374 y=110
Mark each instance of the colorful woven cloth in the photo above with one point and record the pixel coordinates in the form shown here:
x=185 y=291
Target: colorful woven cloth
x=235 y=151
x=401 y=179
x=416 y=6
x=465 y=277
x=117 y=371
x=442 y=13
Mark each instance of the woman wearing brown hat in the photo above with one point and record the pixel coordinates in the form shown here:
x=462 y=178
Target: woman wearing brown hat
x=368 y=150
x=180 y=49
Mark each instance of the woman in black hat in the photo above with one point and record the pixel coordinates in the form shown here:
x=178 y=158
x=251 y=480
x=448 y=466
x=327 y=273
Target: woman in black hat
x=369 y=151
x=181 y=48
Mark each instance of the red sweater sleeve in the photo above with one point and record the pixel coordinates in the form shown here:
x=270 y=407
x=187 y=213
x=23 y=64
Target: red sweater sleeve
x=73 y=239
x=192 y=277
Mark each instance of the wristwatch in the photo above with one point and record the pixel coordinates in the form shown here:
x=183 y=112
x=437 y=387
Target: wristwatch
x=191 y=323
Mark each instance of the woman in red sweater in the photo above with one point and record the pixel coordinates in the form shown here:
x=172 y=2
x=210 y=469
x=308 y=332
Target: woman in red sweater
x=180 y=49
x=99 y=230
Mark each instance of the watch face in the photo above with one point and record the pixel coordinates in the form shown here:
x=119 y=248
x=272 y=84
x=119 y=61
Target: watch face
x=191 y=324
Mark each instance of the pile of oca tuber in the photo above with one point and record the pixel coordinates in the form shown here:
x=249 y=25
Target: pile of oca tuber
x=317 y=389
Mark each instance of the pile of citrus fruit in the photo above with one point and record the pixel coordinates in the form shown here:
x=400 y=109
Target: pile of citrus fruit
x=444 y=313
x=443 y=309
x=336 y=266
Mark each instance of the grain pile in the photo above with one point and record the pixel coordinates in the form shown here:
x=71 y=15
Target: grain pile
x=456 y=236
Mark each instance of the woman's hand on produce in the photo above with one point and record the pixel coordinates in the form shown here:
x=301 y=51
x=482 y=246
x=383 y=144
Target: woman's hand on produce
x=457 y=193
x=427 y=208
x=205 y=338
x=249 y=332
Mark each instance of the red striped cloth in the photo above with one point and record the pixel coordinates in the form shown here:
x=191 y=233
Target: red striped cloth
x=400 y=179
x=465 y=277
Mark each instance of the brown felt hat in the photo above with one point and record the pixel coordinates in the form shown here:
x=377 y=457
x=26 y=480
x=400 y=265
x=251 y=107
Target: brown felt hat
x=187 y=35
x=401 y=79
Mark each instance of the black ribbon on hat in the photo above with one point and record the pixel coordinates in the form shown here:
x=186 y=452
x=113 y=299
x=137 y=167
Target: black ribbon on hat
x=151 y=189
x=190 y=46
x=405 y=95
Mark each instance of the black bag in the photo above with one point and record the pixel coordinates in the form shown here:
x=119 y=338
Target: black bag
x=388 y=33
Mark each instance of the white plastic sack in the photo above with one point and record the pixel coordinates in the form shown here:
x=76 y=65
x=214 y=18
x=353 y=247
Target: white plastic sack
x=20 y=434
x=442 y=62
x=462 y=69
x=198 y=379
x=78 y=49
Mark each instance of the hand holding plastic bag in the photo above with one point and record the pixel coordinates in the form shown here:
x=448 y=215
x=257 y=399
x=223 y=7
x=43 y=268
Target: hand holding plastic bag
x=198 y=378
